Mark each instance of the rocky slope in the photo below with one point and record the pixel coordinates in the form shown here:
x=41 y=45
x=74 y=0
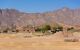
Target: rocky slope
x=9 y=17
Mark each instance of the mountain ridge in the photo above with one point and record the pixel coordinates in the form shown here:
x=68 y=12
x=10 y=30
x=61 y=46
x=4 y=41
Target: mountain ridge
x=64 y=15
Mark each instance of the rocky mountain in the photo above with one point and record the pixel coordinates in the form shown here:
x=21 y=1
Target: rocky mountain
x=9 y=17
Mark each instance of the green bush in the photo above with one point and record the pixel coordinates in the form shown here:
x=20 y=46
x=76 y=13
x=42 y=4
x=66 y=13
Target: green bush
x=47 y=27
x=43 y=29
x=71 y=28
x=57 y=28
x=37 y=29
x=53 y=29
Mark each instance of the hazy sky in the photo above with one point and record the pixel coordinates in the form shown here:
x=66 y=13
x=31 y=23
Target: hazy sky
x=39 y=5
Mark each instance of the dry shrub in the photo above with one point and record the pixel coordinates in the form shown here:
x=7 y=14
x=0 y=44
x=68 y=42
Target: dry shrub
x=71 y=40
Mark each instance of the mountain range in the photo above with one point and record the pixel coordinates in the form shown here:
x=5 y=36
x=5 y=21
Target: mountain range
x=67 y=16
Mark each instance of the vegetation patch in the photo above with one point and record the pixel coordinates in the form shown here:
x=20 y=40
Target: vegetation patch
x=48 y=29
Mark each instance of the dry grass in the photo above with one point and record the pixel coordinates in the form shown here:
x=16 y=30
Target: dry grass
x=52 y=42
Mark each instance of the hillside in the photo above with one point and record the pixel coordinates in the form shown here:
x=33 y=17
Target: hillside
x=12 y=17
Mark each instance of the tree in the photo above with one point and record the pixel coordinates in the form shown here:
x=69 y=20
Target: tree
x=43 y=28
x=57 y=28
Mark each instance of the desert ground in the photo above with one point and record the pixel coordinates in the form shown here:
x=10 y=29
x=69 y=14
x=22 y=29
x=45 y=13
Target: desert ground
x=51 y=42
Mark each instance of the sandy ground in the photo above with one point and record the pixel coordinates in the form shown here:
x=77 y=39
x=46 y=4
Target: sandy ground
x=52 y=42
